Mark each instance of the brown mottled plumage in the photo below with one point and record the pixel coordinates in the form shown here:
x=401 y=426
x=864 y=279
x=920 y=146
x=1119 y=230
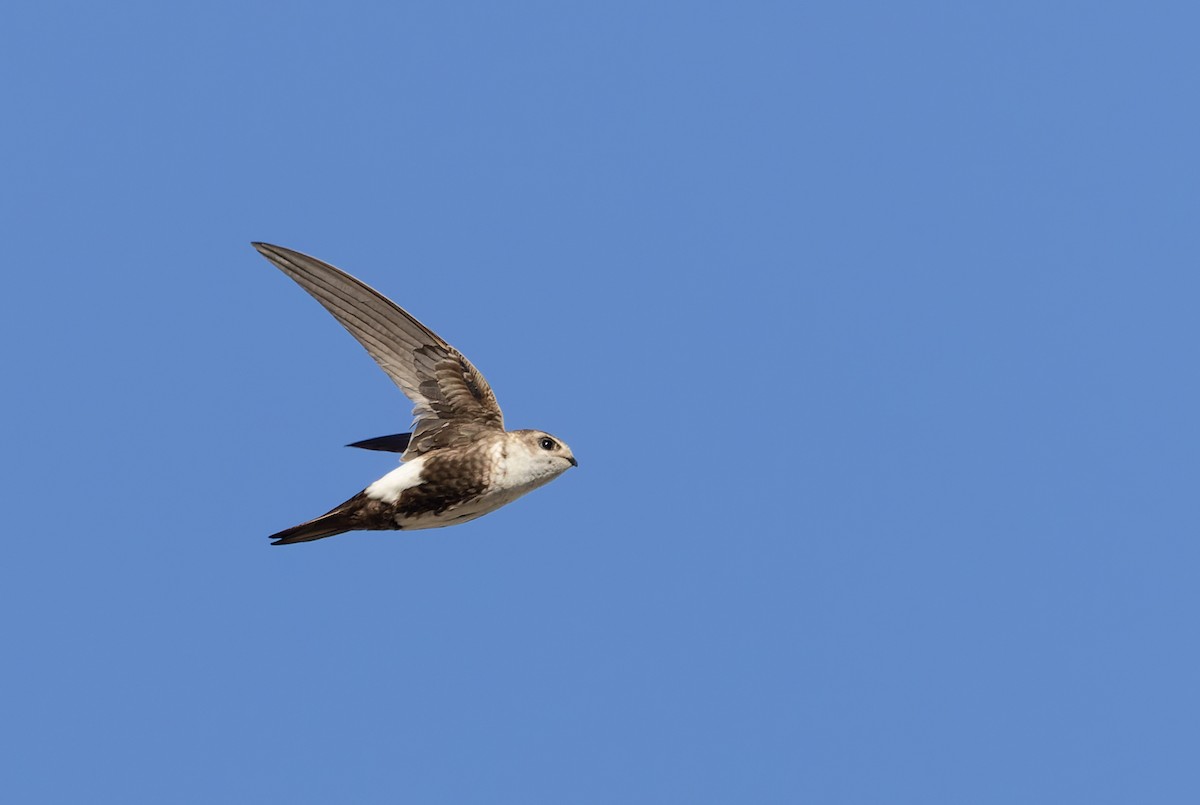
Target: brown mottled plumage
x=459 y=462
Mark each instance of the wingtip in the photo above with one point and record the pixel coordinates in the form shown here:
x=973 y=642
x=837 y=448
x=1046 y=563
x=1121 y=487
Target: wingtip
x=395 y=443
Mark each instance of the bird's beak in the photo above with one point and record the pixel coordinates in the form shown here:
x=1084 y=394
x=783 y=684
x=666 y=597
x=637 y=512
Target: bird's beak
x=574 y=463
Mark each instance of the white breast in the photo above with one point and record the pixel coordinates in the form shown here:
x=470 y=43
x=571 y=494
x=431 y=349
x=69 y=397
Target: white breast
x=523 y=469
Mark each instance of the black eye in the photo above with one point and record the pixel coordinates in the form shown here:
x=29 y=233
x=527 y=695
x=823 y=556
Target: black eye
x=547 y=444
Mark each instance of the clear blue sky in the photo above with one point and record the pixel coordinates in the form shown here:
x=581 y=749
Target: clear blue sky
x=873 y=326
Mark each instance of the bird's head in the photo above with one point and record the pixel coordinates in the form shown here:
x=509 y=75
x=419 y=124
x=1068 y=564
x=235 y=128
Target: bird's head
x=550 y=455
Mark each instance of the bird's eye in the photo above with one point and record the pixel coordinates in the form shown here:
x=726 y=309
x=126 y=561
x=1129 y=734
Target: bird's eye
x=547 y=444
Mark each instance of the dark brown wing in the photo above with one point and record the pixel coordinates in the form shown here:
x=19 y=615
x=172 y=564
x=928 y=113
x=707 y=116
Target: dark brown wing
x=452 y=402
x=395 y=443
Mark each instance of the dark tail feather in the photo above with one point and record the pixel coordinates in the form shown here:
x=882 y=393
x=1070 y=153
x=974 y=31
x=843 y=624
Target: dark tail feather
x=336 y=522
x=396 y=443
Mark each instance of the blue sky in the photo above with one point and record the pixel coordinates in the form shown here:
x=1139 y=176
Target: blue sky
x=872 y=325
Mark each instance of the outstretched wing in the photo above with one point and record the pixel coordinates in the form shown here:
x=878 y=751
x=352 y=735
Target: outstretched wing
x=452 y=402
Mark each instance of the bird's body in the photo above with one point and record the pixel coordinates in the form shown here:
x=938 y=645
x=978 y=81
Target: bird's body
x=459 y=462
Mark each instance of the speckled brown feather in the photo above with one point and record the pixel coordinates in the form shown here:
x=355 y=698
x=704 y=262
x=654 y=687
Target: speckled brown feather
x=449 y=480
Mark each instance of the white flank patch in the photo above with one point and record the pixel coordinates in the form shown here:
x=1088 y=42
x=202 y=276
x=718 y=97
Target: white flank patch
x=389 y=487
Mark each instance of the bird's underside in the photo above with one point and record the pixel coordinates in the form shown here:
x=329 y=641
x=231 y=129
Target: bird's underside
x=432 y=491
x=443 y=487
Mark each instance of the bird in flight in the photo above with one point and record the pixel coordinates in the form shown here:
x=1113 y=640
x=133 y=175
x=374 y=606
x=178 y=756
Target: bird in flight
x=459 y=463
